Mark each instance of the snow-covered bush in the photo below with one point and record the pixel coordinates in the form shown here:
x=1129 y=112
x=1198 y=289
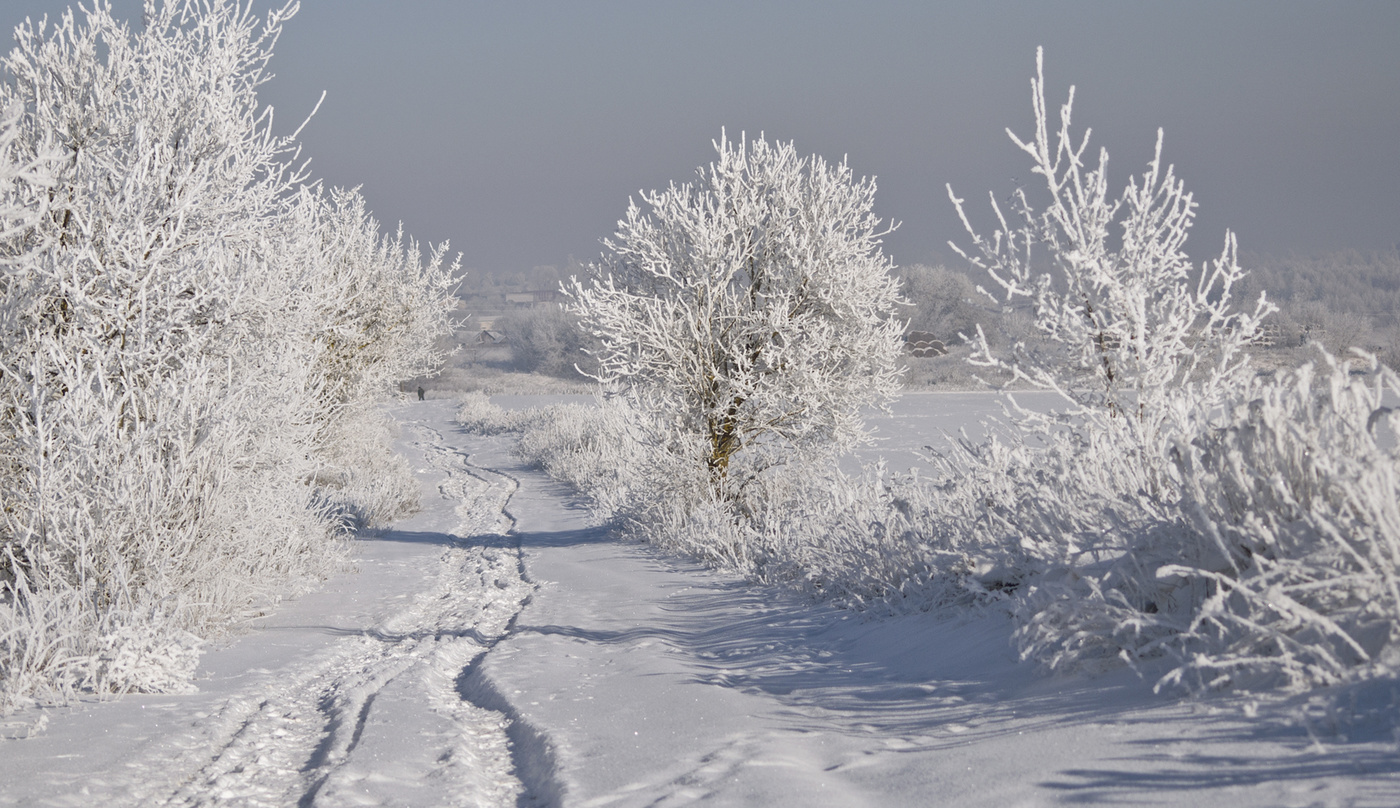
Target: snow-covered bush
x=1081 y=507
x=595 y=449
x=1131 y=328
x=1275 y=564
x=169 y=385
x=478 y=415
x=856 y=539
x=861 y=540
x=751 y=313
x=1236 y=528
x=1296 y=498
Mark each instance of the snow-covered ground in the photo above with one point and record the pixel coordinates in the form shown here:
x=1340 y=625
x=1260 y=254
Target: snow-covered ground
x=498 y=649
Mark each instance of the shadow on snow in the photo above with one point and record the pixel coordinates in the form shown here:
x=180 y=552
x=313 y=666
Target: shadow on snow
x=937 y=684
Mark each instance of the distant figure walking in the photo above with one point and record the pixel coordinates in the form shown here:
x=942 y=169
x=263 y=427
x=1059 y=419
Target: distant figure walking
x=420 y=392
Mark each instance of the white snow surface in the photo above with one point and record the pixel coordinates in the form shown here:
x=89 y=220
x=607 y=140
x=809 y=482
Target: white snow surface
x=500 y=649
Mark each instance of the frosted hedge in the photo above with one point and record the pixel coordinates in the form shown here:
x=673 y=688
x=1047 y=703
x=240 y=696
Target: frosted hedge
x=191 y=337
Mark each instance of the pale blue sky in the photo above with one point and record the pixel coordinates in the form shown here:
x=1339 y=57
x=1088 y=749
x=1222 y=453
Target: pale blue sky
x=518 y=129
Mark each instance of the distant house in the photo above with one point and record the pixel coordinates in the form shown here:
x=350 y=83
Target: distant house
x=531 y=298
x=1268 y=336
x=489 y=337
x=923 y=343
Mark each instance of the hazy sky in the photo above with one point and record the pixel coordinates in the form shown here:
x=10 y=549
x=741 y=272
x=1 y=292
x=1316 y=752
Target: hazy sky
x=519 y=129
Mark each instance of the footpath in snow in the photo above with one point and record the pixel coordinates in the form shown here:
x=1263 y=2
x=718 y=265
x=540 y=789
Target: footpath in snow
x=498 y=649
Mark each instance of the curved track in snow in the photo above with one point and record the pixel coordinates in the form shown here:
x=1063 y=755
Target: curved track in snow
x=366 y=693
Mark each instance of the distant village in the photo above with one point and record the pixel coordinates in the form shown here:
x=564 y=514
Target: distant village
x=486 y=296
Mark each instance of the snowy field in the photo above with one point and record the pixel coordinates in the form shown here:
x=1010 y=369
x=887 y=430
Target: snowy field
x=499 y=649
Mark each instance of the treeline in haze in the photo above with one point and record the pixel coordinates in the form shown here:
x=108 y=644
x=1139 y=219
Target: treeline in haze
x=1341 y=300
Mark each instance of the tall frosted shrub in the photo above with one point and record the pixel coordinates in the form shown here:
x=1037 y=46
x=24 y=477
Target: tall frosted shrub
x=1143 y=348
x=168 y=393
x=1132 y=330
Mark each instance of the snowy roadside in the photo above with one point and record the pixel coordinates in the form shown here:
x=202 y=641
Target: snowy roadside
x=498 y=649
x=658 y=682
x=354 y=694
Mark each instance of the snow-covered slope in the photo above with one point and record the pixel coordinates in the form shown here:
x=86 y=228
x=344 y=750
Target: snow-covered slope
x=498 y=649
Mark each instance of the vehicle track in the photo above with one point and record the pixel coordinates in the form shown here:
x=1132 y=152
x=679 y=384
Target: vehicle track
x=347 y=726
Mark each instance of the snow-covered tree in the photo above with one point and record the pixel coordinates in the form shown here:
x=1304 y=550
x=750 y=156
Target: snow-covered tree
x=751 y=312
x=377 y=312
x=546 y=339
x=946 y=303
x=1131 y=327
x=171 y=294
x=1079 y=510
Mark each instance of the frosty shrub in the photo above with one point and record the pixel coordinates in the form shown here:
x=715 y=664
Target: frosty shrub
x=479 y=416
x=856 y=539
x=1297 y=498
x=594 y=448
x=188 y=335
x=861 y=540
x=1080 y=509
x=1179 y=509
x=1131 y=328
x=748 y=316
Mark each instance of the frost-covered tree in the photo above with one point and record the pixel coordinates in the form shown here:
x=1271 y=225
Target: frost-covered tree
x=1131 y=328
x=751 y=312
x=375 y=314
x=182 y=323
x=946 y=303
x=546 y=339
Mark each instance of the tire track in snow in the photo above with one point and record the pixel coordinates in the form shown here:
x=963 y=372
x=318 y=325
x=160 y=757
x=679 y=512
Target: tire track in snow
x=533 y=752
x=478 y=591
x=396 y=714
x=460 y=687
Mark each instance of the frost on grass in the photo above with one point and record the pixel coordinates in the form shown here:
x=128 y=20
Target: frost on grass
x=854 y=538
x=191 y=339
x=1296 y=498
